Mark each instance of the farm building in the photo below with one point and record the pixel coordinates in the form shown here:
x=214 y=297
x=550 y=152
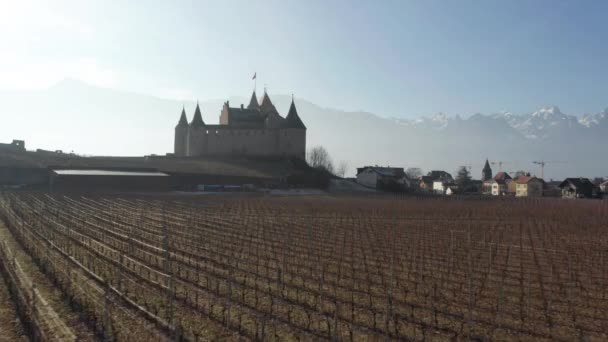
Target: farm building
x=382 y=177
x=577 y=188
x=20 y=176
x=528 y=186
x=77 y=180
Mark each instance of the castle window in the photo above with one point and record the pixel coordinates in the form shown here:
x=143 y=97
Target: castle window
x=206 y=132
x=217 y=132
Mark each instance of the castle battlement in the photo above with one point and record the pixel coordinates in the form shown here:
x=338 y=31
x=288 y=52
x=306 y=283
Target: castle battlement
x=255 y=130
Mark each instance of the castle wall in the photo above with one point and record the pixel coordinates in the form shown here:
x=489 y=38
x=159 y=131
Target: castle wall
x=196 y=141
x=292 y=142
x=249 y=142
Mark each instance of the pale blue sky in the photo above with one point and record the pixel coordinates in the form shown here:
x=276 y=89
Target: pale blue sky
x=393 y=58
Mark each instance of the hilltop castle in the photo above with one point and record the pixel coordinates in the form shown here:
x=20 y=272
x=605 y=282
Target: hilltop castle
x=257 y=130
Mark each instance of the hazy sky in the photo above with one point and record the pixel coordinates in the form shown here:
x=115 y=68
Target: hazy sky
x=394 y=58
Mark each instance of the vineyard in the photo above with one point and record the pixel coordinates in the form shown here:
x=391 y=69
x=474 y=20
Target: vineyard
x=306 y=268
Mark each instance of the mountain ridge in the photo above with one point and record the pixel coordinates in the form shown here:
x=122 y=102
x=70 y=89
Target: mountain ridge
x=100 y=121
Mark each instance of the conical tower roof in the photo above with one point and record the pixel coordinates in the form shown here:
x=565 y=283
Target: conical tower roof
x=253 y=103
x=183 y=120
x=197 y=120
x=486 y=173
x=293 y=119
x=266 y=106
x=487 y=165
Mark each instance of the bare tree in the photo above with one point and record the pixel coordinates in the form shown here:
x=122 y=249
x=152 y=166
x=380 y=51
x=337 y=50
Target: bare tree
x=319 y=158
x=341 y=169
x=413 y=173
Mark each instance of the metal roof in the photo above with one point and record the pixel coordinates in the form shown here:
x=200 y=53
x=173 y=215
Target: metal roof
x=109 y=173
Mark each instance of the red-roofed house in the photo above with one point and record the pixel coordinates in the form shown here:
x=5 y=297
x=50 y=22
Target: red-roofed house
x=499 y=184
x=528 y=186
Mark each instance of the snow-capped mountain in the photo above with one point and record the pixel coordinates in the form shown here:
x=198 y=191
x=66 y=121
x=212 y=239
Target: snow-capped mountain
x=544 y=122
x=591 y=120
x=547 y=122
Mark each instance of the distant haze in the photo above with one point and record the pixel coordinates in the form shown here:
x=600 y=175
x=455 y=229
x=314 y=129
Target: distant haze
x=406 y=60
x=394 y=58
x=90 y=120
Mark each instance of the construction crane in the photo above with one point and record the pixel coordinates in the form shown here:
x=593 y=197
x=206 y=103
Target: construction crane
x=499 y=163
x=542 y=164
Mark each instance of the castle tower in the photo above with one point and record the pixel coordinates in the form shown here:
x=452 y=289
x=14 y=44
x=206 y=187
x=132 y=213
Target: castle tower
x=253 y=103
x=196 y=134
x=293 y=119
x=486 y=173
x=293 y=141
x=273 y=119
x=181 y=135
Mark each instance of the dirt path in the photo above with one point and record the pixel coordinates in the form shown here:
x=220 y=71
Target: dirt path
x=52 y=295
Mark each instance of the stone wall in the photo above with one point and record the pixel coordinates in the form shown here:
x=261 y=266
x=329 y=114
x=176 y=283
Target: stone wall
x=181 y=141
x=292 y=142
x=218 y=140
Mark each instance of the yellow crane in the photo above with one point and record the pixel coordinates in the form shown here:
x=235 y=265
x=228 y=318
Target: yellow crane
x=542 y=164
x=499 y=163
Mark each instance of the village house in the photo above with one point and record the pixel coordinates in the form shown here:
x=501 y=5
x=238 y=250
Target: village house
x=552 y=189
x=511 y=186
x=499 y=184
x=528 y=186
x=386 y=178
x=426 y=183
x=438 y=174
x=577 y=188
x=441 y=186
x=604 y=187
x=452 y=190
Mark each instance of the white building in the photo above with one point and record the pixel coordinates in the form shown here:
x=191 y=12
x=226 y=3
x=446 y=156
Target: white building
x=451 y=190
x=604 y=187
x=441 y=186
x=382 y=177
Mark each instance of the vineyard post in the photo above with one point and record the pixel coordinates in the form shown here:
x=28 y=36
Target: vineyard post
x=451 y=251
x=603 y=272
x=470 y=285
x=119 y=280
x=168 y=269
x=106 y=310
x=34 y=301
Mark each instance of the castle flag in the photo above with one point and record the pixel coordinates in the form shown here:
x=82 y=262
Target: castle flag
x=254 y=75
